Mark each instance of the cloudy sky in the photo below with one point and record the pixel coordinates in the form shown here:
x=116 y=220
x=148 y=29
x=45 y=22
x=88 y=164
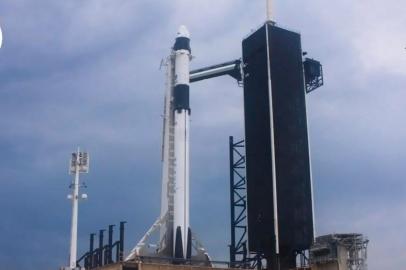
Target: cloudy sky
x=86 y=73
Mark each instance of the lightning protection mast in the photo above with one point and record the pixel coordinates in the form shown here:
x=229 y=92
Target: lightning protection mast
x=269 y=10
x=79 y=163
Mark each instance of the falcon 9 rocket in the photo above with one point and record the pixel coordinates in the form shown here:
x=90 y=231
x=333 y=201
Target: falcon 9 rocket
x=175 y=238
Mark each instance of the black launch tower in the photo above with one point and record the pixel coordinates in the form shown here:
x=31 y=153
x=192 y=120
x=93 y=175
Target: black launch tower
x=279 y=185
x=279 y=201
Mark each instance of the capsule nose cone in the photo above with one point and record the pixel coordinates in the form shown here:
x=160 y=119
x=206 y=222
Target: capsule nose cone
x=183 y=32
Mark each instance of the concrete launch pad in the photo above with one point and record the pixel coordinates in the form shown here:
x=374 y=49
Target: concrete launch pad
x=154 y=266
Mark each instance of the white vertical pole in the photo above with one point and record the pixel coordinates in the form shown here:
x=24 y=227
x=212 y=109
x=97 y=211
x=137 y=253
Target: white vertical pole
x=269 y=10
x=1 y=37
x=275 y=200
x=74 y=225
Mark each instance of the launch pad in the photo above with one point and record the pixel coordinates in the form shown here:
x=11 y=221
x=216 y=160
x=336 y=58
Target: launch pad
x=138 y=265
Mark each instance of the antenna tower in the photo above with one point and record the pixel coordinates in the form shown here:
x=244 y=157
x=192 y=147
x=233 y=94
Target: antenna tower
x=79 y=163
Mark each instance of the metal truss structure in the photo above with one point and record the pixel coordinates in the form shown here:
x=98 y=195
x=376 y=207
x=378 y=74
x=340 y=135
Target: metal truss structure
x=347 y=250
x=238 y=202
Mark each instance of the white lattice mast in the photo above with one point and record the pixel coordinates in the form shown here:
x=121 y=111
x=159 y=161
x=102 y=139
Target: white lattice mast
x=79 y=163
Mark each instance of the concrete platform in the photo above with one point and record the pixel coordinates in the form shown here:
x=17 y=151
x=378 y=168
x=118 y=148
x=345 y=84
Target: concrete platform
x=163 y=266
x=154 y=266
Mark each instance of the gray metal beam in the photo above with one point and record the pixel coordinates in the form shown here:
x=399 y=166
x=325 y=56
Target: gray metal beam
x=231 y=68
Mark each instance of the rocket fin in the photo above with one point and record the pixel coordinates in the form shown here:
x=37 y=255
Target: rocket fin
x=189 y=245
x=178 y=244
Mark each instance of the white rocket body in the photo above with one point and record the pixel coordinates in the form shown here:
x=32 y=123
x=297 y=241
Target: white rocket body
x=175 y=235
x=181 y=131
x=175 y=238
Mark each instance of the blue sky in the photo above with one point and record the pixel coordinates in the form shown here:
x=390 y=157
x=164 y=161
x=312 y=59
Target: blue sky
x=86 y=73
